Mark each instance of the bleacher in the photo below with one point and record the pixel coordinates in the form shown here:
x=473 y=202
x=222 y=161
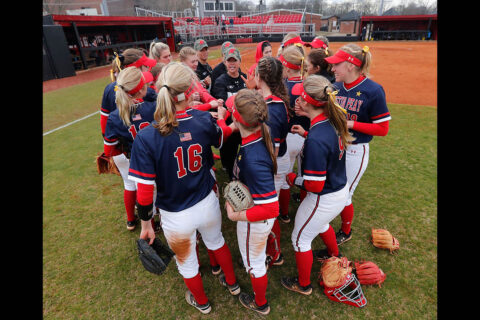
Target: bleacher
x=285 y=18
x=191 y=28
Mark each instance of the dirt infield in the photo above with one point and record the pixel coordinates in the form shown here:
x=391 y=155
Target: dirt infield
x=406 y=69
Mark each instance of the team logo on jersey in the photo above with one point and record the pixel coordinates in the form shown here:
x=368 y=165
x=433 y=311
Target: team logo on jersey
x=358 y=93
x=185 y=136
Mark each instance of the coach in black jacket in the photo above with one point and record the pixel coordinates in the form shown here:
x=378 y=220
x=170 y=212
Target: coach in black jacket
x=204 y=70
x=226 y=86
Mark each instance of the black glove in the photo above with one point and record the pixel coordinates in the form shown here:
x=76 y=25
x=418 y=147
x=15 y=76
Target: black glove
x=155 y=258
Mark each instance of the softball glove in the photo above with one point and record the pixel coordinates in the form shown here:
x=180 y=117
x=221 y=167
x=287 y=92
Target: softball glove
x=238 y=196
x=383 y=239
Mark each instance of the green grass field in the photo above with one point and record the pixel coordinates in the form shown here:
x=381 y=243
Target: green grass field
x=90 y=265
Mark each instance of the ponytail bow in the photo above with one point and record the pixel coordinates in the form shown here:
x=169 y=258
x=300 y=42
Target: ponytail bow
x=333 y=96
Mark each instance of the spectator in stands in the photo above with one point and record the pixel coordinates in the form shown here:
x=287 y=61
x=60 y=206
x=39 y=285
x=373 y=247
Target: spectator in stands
x=160 y=52
x=227 y=85
x=224 y=30
x=204 y=70
x=364 y=33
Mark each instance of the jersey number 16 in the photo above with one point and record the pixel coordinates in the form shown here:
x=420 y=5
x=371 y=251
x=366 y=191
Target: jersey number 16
x=194 y=159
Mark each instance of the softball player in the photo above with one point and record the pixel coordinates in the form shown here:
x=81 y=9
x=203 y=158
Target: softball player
x=175 y=154
x=316 y=64
x=264 y=49
x=319 y=42
x=367 y=113
x=203 y=100
x=188 y=56
x=160 y=52
x=268 y=78
x=130 y=57
x=293 y=62
x=289 y=39
x=255 y=166
x=132 y=115
x=323 y=177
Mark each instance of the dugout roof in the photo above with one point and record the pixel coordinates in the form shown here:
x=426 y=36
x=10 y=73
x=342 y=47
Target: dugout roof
x=400 y=18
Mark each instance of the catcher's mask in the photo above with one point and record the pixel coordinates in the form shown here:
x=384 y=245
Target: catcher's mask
x=350 y=292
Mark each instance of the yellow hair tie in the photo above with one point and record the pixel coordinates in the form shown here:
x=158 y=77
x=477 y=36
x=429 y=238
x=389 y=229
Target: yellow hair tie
x=119 y=66
x=333 y=95
x=115 y=88
x=326 y=51
x=366 y=49
x=111 y=75
x=301 y=68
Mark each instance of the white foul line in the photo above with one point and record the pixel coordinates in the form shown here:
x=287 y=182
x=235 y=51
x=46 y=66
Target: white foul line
x=66 y=125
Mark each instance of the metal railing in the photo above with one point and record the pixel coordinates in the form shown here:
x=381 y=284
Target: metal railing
x=191 y=32
x=140 y=12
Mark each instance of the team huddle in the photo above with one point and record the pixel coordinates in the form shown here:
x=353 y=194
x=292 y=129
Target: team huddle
x=161 y=121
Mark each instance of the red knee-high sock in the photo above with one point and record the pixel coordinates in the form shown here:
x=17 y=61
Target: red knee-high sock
x=259 y=286
x=330 y=241
x=303 y=194
x=347 y=218
x=130 y=198
x=284 y=201
x=304 y=266
x=213 y=260
x=273 y=241
x=224 y=258
x=195 y=285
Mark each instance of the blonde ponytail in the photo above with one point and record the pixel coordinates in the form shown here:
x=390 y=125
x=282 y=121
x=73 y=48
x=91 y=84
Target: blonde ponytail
x=127 y=80
x=320 y=89
x=174 y=79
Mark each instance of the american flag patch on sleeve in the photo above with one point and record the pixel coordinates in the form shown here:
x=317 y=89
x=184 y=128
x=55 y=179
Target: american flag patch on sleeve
x=185 y=136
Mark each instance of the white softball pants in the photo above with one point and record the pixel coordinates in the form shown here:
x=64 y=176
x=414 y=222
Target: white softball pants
x=252 y=243
x=314 y=215
x=283 y=168
x=356 y=163
x=180 y=230
x=123 y=163
x=294 y=147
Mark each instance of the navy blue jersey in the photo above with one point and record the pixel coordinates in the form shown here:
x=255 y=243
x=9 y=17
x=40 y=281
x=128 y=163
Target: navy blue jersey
x=178 y=163
x=117 y=132
x=151 y=95
x=364 y=102
x=301 y=120
x=278 y=120
x=254 y=168
x=323 y=157
x=108 y=99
